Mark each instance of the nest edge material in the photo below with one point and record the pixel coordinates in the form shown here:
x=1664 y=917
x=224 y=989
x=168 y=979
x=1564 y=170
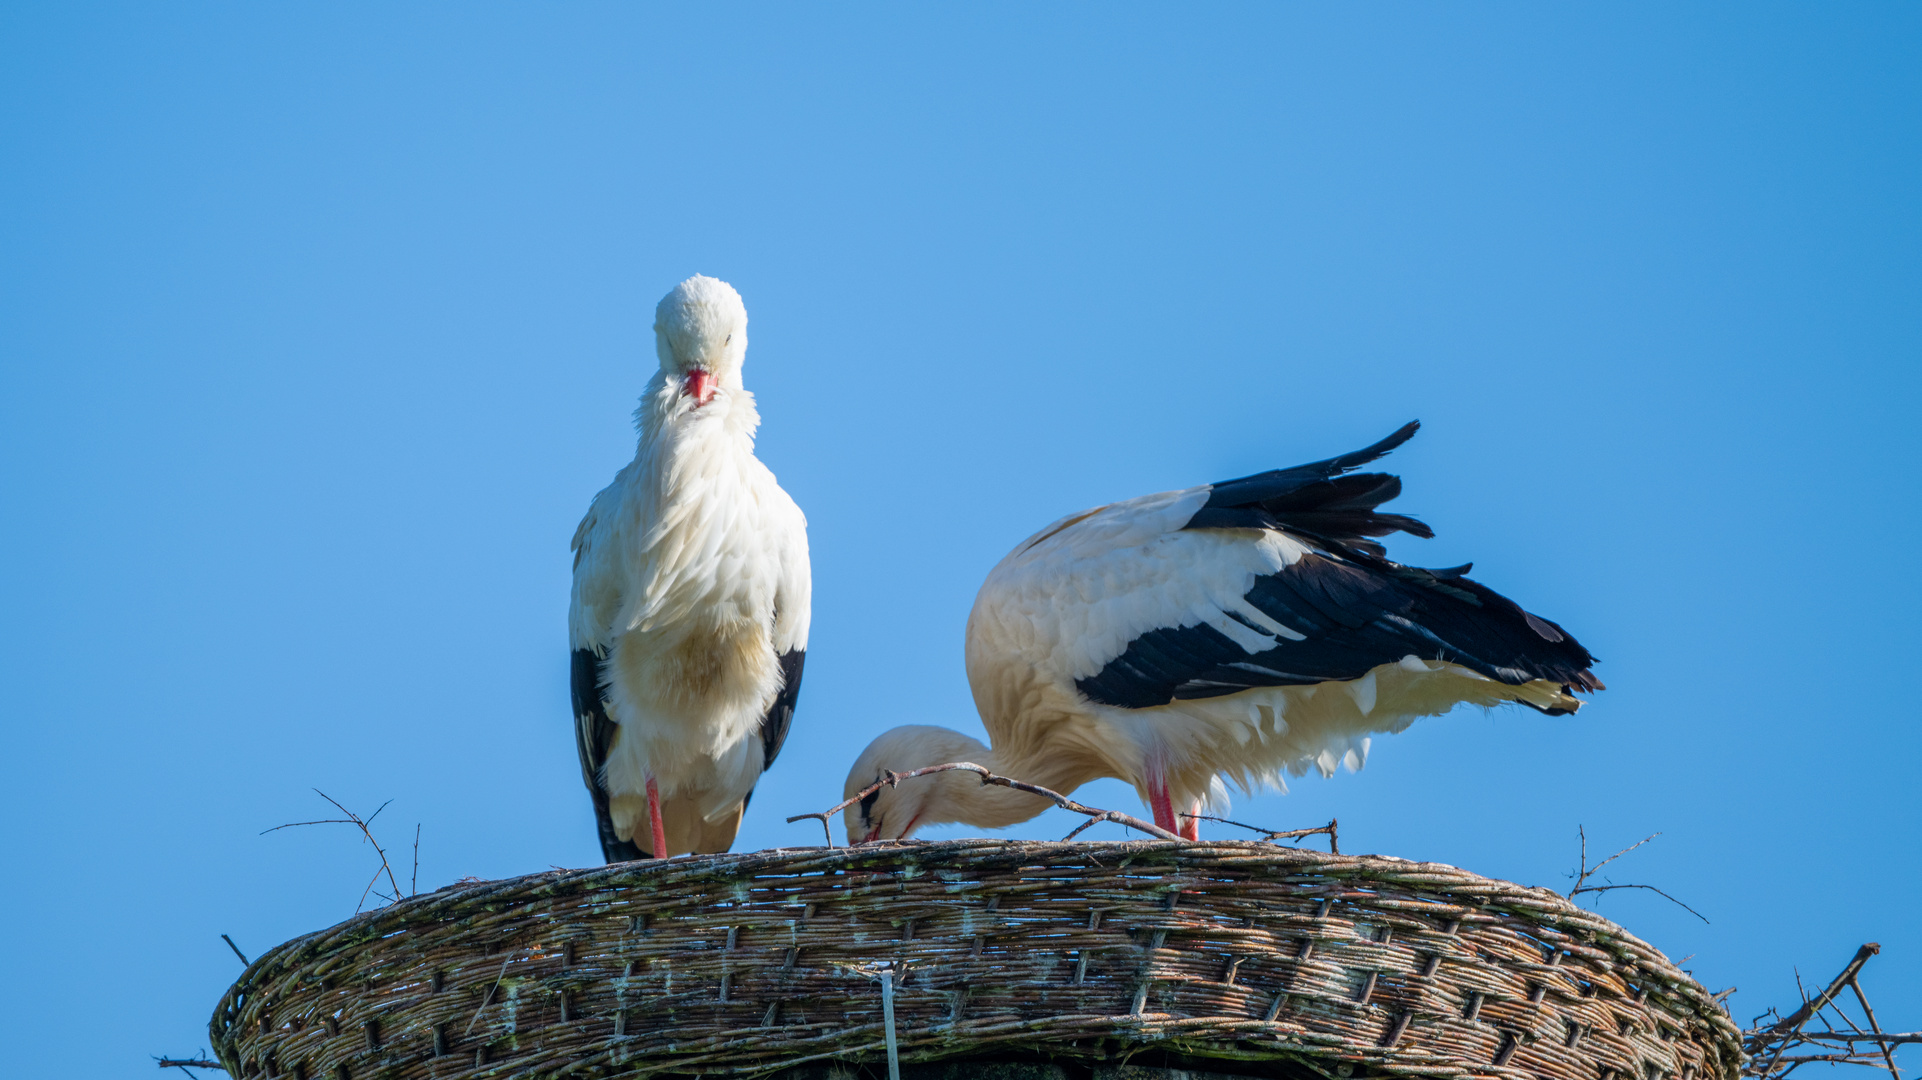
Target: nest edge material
x=1245 y=956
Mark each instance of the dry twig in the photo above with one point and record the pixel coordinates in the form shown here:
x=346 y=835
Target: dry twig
x=892 y=778
x=365 y=826
x=1585 y=871
x=230 y=944
x=1769 y=1046
x=188 y=1065
x=1328 y=830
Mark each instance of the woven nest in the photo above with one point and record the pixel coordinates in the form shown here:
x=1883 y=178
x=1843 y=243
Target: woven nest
x=1244 y=957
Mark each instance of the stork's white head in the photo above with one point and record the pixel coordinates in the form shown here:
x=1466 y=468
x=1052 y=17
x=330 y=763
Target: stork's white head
x=700 y=332
x=892 y=813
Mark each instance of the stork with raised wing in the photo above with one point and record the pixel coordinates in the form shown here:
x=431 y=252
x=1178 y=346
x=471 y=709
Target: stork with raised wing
x=1234 y=631
x=689 y=618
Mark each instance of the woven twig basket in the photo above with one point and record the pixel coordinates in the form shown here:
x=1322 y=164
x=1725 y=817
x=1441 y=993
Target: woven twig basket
x=1092 y=952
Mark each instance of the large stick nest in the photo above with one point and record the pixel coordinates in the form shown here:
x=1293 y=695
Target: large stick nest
x=1276 y=959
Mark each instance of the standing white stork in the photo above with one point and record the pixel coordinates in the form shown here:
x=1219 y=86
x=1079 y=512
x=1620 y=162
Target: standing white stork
x=689 y=618
x=1240 y=630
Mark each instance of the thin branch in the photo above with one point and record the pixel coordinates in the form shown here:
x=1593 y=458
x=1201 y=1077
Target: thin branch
x=1828 y=1057
x=1650 y=888
x=487 y=998
x=1893 y=1038
x=413 y=885
x=1086 y=825
x=363 y=825
x=369 y=834
x=297 y=824
x=236 y=949
x=891 y=778
x=1887 y=1057
x=186 y=1065
x=1328 y=830
x=1581 y=831
x=370 y=888
x=1586 y=871
x=1625 y=851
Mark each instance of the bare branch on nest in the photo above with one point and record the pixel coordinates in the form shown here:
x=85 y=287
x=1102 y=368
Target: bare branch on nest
x=236 y=949
x=892 y=778
x=1585 y=871
x=364 y=825
x=1588 y=871
x=1769 y=1046
x=1650 y=888
x=187 y=1065
x=1328 y=830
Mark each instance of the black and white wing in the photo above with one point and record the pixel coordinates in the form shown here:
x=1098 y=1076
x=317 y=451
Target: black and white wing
x=1265 y=581
x=780 y=715
x=596 y=596
x=593 y=732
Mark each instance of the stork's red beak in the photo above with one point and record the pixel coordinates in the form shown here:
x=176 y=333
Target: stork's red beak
x=699 y=385
x=873 y=835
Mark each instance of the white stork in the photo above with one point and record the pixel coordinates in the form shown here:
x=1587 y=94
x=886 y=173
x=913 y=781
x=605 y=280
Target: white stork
x=689 y=618
x=1239 y=630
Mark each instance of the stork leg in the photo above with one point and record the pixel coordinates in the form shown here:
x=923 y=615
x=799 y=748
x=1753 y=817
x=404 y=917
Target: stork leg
x=654 y=819
x=1191 y=827
x=1162 y=806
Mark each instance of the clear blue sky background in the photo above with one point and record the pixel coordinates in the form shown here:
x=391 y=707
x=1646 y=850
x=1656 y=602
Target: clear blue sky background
x=321 y=324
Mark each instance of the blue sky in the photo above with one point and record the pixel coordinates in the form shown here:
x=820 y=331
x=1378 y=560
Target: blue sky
x=320 y=326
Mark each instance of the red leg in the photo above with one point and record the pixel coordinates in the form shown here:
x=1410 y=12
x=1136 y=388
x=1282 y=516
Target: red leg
x=1163 y=809
x=654 y=819
x=1191 y=828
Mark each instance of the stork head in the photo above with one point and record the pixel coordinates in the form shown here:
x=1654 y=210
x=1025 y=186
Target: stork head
x=700 y=332
x=892 y=813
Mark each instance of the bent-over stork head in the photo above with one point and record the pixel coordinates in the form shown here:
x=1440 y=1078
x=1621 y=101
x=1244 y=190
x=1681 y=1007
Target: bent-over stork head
x=893 y=813
x=700 y=332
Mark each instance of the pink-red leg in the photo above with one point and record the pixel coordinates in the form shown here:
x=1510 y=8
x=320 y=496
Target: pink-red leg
x=1162 y=806
x=1191 y=825
x=654 y=819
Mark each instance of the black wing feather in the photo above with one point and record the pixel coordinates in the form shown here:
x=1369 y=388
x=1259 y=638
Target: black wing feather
x=780 y=715
x=1356 y=609
x=593 y=733
x=1317 y=499
x=1277 y=483
x=1356 y=613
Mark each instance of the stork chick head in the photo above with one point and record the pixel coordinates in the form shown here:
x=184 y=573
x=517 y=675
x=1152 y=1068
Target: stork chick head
x=700 y=333
x=892 y=813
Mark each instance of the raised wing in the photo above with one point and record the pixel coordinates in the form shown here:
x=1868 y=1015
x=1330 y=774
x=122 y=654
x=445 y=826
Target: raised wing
x=1269 y=580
